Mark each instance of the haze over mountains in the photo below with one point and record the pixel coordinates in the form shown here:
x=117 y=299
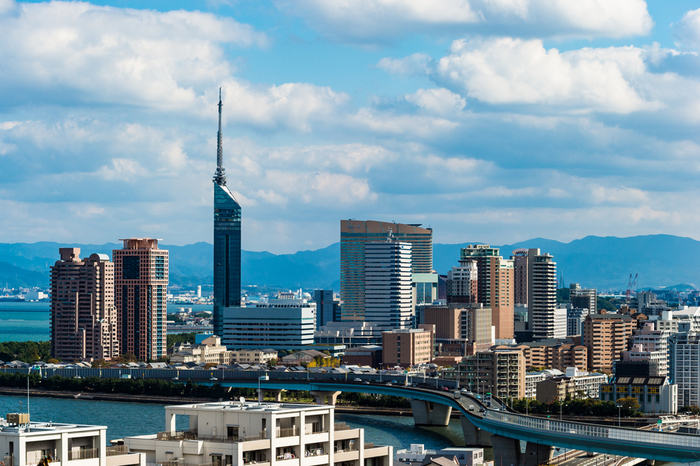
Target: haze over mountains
x=600 y=262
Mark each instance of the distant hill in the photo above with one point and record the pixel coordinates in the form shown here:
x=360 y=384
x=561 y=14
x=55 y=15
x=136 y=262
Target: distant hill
x=600 y=262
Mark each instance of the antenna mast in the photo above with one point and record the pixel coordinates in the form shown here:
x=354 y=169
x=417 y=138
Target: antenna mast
x=220 y=174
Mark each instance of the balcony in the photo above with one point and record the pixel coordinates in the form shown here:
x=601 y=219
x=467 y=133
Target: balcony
x=83 y=454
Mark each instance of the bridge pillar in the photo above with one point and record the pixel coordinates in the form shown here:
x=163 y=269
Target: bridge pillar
x=536 y=454
x=506 y=451
x=473 y=436
x=264 y=391
x=325 y=398
x=424 y=416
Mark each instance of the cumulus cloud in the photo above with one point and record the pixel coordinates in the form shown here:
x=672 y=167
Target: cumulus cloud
x=440 y=101
x=687 y=31
x=377 y=20
x=123 y=56
x=506 y=70
x=397 y=124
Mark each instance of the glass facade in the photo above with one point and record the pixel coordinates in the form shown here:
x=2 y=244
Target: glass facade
x=227 y=254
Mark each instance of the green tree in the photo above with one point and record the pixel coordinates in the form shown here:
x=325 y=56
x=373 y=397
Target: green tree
x=175 y=338
x=629 y=404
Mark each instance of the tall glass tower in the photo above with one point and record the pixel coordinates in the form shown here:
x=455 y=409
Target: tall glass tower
x=227 y=241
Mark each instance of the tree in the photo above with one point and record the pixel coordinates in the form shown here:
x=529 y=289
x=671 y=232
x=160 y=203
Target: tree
x=629 y=404
x=174 y=338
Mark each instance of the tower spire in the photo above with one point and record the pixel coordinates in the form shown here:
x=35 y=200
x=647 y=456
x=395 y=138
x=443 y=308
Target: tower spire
x=220 y=174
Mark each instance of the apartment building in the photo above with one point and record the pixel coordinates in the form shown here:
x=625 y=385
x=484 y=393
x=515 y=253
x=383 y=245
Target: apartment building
x=684 y=351
x=408 y=347
x=606 y=336
x=574 y=384
x=460 y=329
x=26 y=443
x=209 y=351
x=268 y=434
x=553 y=353
x=500 y=372
x=140 y=296
x=83 y=316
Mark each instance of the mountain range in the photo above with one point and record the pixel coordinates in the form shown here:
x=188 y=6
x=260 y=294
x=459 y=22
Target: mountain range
x=596 y=262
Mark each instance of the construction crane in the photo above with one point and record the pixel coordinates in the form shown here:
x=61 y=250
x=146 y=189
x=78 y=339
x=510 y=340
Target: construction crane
x=631 y=285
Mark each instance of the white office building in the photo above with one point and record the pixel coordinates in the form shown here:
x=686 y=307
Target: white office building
x=575 y=316
x=684 y=368
x=267 y=434
x=279 y=324
x=388 y=290
x=560 y=322
x=650 y=345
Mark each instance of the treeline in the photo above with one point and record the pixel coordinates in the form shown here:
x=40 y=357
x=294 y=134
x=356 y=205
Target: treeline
x=579 y=407
x=157 y=387
x=25 y=351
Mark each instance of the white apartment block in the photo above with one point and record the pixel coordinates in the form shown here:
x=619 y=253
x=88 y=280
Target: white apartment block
x=533 y=378
x=684 y=349
x=388 y=284
x=267 y=434
x=649 y=345
x=209 y=351
x=586 y=383
x=253 y=356
x=25 y=443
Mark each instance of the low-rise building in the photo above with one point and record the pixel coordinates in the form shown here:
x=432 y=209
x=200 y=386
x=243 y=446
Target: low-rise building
x=656 y=395
x=408 y=347
x=209 y=350
x=533 y=378
x=253 y=356
x=500 y=372
x=267 y=434
x=25 y=443
x=370 y=355
x=575 y=384
x=552 y=353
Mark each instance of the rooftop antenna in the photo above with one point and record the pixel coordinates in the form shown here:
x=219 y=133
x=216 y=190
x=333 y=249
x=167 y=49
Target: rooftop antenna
x=220 y=174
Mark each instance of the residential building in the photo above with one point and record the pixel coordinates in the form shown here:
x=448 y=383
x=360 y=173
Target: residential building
x=606 y=336
x=651 y=345
x=560 y=322
x=500 y=372
x=520 y=267
x=462 y=283
x=325 y=307
x=239 y=433
x=460 y=329
x=685 y=319
x=26 y=443
x=552 y=354
x=388 y=290
x=140 y=296
x=656 y=395
x=408 y=347
x=417 y=455
x=494 y=284
x=302 y=357
x=574 y=320
x=542 y=295
x=575 y=384
x=83 y=316
x=279 y=324
x=209 y=351
x=425 y=288
x=354 y=234
x=532 y=379
x=684 y=367
x=227 y=241
x=583 y=298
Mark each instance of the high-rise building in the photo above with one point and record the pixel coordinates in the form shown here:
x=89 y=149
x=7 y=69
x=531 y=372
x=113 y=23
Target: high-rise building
x=500 y=372
x=462 y=283
x=574 y=320
x=408 y=347
x=140 y=296
x=460 y=329
x=388 y=291
x=494 y=284
x=520 y=260
x=606 y=336
x=684 y=350
x=542 y=294
x=227 y=241
x=583 y=298
x=325 y=306
x=354 y=235
x=83 y=316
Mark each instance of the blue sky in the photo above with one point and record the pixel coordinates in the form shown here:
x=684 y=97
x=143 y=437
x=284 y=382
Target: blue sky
x=489 y=120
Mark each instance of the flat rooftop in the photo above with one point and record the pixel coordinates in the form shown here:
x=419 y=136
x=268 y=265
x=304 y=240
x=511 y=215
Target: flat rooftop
x=251 y=407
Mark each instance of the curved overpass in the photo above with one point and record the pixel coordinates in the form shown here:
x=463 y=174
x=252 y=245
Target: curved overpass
x=503 y=425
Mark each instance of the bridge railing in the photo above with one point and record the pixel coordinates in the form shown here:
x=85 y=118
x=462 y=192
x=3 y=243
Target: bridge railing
x=612 y=433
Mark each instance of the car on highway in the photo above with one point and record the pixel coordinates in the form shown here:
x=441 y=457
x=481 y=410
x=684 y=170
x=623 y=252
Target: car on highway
x=358 y=379
x=366 y=382
x=176 y=378
x=213 y=379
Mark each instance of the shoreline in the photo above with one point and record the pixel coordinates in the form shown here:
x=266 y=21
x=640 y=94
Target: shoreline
x=167 y=400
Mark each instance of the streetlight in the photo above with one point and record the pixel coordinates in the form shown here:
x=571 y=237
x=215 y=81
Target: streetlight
x=260 y=395
x=619 y=414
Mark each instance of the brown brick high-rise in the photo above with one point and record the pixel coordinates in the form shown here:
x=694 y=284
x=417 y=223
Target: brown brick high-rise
x=140 y=295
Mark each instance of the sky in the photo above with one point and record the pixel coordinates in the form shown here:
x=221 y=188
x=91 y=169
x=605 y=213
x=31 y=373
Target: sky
x=491 y=121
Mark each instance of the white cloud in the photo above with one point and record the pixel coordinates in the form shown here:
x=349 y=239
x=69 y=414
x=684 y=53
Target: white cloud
x=418 y=63
x=506 y=70
x=687 y=31
x=372 y=20
x=124 y=56
x=386 y=123
x=440 y=101
x=122 y=170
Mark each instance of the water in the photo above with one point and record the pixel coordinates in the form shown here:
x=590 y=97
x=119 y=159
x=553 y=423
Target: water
x=124 y=419
x=31 y=321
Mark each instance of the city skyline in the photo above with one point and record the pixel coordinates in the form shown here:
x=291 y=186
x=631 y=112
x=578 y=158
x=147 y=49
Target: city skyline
x=486 y=121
